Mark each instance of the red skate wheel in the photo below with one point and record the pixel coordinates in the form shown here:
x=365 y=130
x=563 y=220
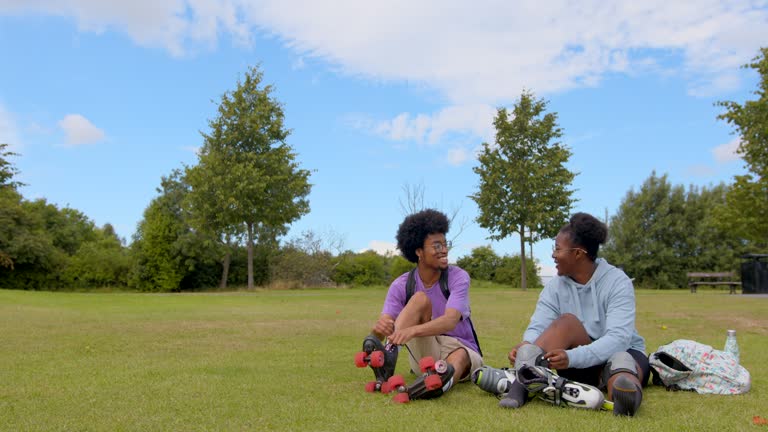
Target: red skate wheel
x=427 y=363
x=441 y=366
x=401 y=398
x=370 y=386
x=433 y=382
x=360 y=359
x=377 y=359
x=385 y=387
x=396 y=381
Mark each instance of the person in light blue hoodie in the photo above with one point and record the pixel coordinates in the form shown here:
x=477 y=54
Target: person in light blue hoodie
x=584 y=322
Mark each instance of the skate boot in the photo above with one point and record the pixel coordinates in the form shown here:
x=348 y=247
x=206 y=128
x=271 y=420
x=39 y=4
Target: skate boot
x=517 y=395
x=550 y=387
x=381 y=358
x=626 y=396
x=492 y=380
x=436 y=379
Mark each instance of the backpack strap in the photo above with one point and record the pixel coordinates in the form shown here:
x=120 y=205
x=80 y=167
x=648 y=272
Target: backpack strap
x=410 y=288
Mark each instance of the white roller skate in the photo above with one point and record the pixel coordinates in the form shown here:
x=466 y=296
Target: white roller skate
x=548 y=386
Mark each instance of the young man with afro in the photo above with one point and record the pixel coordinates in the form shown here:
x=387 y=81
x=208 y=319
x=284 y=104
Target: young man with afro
x=428 y=323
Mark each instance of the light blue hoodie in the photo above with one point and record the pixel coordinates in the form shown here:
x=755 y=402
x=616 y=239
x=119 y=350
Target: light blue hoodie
x=605 y=305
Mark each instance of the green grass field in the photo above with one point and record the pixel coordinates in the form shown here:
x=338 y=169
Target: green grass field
x=283 y=360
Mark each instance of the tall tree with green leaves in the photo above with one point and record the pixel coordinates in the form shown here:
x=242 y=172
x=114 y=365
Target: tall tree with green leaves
x=166 y=250
x=7 y=169
x=7 y=193
x=648 y=233
x=663 y=231
x=247 y=179
x=524 y=184
x=745 y=212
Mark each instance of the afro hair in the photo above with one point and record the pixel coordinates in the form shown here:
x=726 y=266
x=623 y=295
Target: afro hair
x=415 y=229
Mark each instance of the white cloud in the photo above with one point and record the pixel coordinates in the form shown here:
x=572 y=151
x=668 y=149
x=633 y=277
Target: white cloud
x=382 y=248
x=9 y=133
x=298 y=64
x=193 y=149
x=79 y=130
x=471 y=52
x=175 y=25
x=474 y=120
x=701 y=171
x=457 y=156
x=727 y=152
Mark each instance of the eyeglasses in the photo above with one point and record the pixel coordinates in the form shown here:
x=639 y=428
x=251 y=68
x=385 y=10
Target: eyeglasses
x=555 y=250
x=439 y=247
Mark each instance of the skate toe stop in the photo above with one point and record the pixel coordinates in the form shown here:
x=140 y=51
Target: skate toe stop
x=509 y=403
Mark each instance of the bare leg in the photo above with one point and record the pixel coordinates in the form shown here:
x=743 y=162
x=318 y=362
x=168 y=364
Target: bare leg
x=461 y=363
x=564 y=333
x=417 y=311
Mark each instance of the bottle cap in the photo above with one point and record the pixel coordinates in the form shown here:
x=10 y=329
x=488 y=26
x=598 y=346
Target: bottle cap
x=731 y=332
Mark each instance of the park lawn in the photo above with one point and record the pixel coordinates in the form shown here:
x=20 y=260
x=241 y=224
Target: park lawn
x=283 y=360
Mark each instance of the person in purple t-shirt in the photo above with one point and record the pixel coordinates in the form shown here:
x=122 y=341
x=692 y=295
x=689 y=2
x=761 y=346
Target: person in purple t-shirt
x=430 y=324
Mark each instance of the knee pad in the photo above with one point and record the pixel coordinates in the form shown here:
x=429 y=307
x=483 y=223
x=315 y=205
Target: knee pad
x=619 y=362
x=529 y=354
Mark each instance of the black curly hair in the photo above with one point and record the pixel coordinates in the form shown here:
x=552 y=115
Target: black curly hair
x=586 y=231
x=415 y=229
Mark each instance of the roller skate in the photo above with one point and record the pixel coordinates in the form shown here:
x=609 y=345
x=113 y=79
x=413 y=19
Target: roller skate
x=550 y=387
x=381 y=358
x=436 y=379
x=492 y=380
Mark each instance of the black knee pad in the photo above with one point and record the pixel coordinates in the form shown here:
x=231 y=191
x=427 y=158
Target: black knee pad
x=619 y=362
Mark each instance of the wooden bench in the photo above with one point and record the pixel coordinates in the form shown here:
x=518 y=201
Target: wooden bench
x=715 y=279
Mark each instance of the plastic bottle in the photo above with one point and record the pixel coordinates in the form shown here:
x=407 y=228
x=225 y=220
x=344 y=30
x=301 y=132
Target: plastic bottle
x=731 y=345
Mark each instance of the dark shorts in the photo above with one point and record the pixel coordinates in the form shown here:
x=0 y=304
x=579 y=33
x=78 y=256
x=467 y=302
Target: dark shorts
x=592 y=374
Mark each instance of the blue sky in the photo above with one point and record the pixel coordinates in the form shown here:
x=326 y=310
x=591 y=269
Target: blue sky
x=101 y=99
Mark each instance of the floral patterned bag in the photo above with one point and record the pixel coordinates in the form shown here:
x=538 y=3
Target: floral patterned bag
x=689 y=365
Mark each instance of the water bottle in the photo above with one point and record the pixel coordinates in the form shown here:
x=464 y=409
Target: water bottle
x=731 y=345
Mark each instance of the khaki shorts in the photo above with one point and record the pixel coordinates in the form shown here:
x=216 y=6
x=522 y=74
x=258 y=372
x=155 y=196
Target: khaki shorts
x=440 y=347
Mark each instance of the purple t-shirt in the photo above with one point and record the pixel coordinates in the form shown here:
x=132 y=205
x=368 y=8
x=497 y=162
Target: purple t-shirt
x=458 y=285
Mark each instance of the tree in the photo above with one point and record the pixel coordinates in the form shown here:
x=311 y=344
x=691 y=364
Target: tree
x=508 y=272
x=103 y=262
x=414 y=202
x=166 y=249
x=648 y=233
x=481 y=263
x=306 y=260
x=663 y=231
x=247 y=179
x=745 y=212
x=7 y=170
x=524 y=184
x=8 y=192
x=365 y=268
x=484 y=264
